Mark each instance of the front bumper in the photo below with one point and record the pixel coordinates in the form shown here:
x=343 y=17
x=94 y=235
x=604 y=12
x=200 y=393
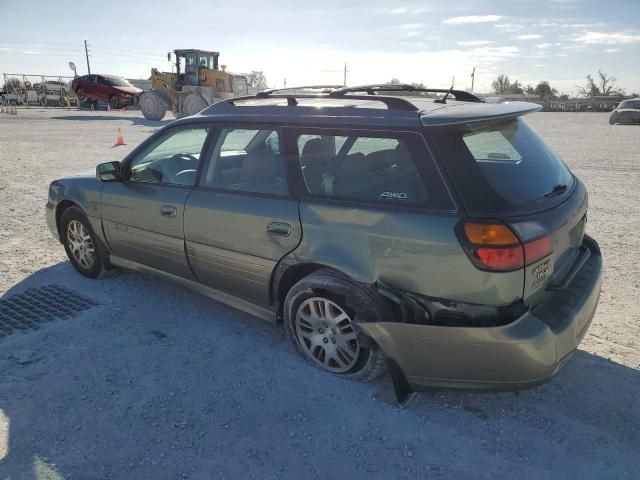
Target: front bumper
x=522 y=354
x=50 y=215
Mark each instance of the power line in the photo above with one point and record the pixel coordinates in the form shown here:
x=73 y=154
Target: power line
x=39 y=43
x=135 y=51
x=40 y=48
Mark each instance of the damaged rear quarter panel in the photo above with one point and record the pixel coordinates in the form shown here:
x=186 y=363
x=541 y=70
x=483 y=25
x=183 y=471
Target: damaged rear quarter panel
x=406 y=250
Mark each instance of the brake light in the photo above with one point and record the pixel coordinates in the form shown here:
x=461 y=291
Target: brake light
x=495 y=247
x=502 y=258
x=534 y=250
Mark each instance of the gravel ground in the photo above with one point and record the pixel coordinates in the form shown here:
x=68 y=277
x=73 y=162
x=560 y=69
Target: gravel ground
x=156 y=382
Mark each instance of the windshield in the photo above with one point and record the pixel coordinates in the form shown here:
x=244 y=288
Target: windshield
x=630 y=104
x=117 y=82
x=501 y=168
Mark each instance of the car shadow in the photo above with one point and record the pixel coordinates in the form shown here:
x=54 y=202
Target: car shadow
x=155 y=368
x=134 y=120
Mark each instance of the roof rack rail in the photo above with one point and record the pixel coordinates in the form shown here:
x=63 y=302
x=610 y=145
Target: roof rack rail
x=324 y=88
x=392 y=103
x=373 y=89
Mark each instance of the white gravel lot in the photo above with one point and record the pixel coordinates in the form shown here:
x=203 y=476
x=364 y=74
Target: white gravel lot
x=156 y=382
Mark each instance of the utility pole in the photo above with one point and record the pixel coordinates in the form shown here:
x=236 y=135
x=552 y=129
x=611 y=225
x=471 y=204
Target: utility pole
x=473 y=78
x=86 y=52
x=285 y=82
x=344 y=82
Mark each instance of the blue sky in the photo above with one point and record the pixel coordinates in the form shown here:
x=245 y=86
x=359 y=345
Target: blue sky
x=416 y=41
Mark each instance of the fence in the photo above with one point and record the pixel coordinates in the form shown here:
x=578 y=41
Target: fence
x=37 y=90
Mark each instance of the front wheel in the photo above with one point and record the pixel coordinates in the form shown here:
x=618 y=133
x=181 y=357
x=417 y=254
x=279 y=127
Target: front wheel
x=320 y=314
x=81 y=244
x=152 y=105
x=114 y=103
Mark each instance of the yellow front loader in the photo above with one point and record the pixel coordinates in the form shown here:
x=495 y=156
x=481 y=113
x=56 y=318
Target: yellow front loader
x=196 y=83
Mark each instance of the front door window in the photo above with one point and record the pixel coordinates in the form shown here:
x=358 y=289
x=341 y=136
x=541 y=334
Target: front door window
x=172 y=160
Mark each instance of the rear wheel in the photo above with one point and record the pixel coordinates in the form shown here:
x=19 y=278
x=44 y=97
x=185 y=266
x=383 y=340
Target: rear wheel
x=152 y=106
x=320 y=315
x=193 y=104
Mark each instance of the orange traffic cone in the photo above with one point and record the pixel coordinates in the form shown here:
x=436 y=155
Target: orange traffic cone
x=15 y=111
x=120 y=140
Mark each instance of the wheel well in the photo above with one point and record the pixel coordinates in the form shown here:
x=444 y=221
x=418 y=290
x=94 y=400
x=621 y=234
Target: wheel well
x=62 y=206
x=289 y=278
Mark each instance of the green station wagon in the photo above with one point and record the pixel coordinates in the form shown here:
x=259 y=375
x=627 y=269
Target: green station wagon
x=421 y=231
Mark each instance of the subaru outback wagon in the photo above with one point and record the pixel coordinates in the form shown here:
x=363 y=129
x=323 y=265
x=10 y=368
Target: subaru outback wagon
x=429 y=233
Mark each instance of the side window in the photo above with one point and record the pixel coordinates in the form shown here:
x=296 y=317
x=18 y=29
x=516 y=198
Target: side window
x=172 y=159
x=365 y=168
x=247 y=160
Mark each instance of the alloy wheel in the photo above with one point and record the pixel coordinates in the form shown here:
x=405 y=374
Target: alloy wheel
x=80 y=244
x=326 y=334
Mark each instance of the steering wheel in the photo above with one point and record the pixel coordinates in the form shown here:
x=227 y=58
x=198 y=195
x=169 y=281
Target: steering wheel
x=177 y=164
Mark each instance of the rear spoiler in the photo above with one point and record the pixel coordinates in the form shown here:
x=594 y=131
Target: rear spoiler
x=477 y=112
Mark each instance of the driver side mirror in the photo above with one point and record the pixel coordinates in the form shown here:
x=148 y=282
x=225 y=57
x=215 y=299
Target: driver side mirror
x=109 y=172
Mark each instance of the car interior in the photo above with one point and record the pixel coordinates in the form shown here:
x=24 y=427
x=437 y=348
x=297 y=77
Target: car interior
x=386 y=168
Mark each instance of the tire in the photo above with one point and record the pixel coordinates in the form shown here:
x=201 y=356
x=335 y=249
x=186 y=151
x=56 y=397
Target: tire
x=152 y=106
x=80 y=94
x=193 y=104
x=344 y=354
x=70 y=221
x=114 y=103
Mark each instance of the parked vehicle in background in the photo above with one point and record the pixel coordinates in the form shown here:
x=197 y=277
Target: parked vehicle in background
x=198 y=82
x=627 y=111
x=115 y=91
x=52 y=93
x=439 y=237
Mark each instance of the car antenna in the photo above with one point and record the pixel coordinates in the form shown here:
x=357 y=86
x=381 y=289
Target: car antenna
x=444 y=98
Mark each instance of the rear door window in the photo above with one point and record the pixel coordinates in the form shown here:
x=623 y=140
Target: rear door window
x=377 y=168
x=501 y=168
x=247 y=160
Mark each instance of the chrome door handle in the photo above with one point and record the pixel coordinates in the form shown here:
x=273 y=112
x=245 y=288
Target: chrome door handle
x=279 y=228
x=168 y=211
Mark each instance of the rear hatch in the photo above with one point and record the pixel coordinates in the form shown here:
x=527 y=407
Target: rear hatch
x=504 y=173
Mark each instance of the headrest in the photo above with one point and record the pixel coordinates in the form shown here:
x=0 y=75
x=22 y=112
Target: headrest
x=317 y=149
x=259 y=166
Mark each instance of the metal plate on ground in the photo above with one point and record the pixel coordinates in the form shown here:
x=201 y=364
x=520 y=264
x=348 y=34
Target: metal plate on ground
x=27 y=310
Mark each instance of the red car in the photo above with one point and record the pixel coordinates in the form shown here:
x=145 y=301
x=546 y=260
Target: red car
x=107 y=88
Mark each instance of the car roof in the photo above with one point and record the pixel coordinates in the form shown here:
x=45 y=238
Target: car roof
x=333 y=107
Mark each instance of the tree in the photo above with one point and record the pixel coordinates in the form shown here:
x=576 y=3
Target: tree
x=256 y=79
x=394 y=81
x=516 y=87
x=501 y=85
x=12 y=83
x=603 y=86
x=545 y=91
x=564 y=96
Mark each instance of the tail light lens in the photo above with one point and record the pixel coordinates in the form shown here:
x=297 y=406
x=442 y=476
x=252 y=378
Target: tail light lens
x=495 y=247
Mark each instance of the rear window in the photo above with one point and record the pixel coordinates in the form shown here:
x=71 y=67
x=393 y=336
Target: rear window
x=501 y=168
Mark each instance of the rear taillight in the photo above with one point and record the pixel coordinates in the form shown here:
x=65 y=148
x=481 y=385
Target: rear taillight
x=495 y=247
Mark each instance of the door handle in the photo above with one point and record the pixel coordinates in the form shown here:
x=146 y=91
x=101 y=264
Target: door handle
x=168 y=211
x=279 y=228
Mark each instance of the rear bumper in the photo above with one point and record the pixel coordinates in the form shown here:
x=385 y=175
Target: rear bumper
x=525 y=353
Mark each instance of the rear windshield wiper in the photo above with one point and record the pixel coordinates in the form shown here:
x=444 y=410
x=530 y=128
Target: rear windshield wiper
x=557 y=190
